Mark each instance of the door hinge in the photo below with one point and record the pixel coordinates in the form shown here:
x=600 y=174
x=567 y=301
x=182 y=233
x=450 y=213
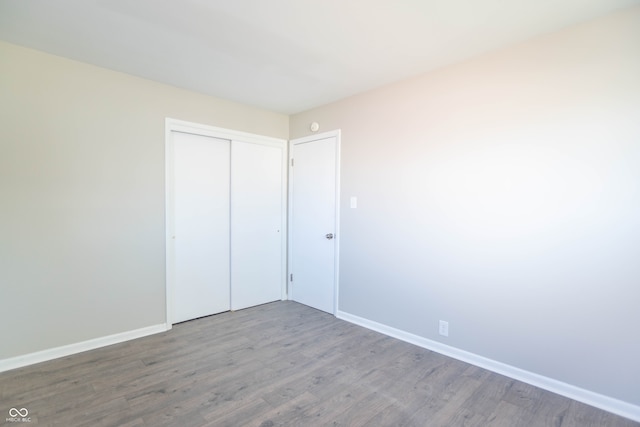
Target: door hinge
x=291 y=162
x=291 y=277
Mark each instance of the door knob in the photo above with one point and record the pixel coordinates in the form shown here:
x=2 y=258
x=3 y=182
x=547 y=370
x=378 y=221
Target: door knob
x=329 y=236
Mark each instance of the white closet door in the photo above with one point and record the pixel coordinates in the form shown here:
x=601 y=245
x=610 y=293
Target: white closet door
x=201 y=171
x=256 y=221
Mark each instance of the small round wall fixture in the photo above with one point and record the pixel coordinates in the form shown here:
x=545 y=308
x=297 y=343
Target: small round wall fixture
x=314 y=127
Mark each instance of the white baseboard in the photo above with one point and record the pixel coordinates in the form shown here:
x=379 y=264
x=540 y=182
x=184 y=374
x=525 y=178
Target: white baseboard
x=597 y=400
x=67 y=350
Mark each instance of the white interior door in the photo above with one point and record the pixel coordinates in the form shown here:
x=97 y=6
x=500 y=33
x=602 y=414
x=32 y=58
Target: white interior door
x=256 y=224
x=313 y=222
x=201 y=174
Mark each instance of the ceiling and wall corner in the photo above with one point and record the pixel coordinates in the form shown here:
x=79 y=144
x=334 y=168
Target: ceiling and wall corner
x=284 y=55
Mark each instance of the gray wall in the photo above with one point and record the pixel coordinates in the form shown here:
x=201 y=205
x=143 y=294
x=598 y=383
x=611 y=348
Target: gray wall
x=82 y=196
x=503 y=195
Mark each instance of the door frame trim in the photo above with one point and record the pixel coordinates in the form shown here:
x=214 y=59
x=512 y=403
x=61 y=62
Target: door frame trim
x=175 y=125
x=336 y=241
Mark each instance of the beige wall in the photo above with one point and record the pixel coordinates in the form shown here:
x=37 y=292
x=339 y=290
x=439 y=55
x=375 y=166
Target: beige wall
x=503 y=195
x=82 y=196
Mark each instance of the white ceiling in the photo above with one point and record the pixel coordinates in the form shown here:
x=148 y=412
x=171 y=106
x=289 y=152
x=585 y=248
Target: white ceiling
x=283 y=55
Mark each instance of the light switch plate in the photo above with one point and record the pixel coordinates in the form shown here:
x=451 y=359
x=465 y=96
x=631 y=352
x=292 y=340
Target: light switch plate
x=353 y=202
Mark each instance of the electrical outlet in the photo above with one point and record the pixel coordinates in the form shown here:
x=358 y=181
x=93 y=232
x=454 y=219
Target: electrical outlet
x=444 y=328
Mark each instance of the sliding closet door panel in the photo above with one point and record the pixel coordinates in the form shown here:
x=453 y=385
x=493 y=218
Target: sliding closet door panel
x=256 y=221
x=201 y=172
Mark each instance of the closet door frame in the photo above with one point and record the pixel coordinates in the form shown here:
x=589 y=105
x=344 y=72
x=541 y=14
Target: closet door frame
x=174 y=125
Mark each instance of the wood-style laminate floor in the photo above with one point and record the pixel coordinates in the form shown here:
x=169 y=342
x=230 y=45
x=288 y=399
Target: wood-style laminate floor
x=279 y=364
